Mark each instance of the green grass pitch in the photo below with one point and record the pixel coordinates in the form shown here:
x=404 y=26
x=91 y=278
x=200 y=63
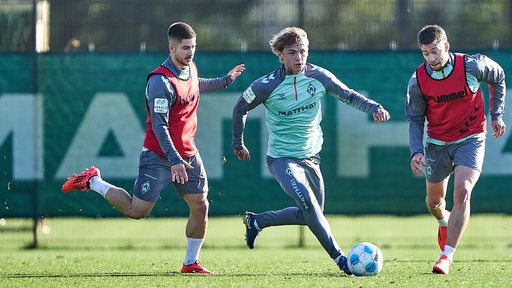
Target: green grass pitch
x=118 y=252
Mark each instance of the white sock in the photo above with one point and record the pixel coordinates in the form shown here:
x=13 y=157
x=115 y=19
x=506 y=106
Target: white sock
x=337 y=259
x=99 y=185
x=193 y=248
x=449 y=251
x=442 y=222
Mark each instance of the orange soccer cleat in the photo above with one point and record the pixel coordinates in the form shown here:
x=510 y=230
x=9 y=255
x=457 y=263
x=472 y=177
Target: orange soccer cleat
x=80 y=181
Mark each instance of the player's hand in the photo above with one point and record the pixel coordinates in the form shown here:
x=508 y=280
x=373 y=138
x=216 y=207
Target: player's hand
x=418 y=164
x=243 y=153
x=179 y=172
x=236 y=71
x=498 y=128
x=381 y=115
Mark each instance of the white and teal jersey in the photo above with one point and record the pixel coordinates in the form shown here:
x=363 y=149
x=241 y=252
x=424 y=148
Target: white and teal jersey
x=294 y=109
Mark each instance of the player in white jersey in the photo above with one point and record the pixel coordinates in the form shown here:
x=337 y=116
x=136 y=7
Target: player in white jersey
x=291 y=94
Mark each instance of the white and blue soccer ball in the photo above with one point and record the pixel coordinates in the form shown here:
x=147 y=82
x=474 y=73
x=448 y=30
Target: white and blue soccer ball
x=365 y=259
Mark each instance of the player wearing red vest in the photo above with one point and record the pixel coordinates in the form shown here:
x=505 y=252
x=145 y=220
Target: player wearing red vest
x=169 y=154
x=182 y=112
x=445 y=92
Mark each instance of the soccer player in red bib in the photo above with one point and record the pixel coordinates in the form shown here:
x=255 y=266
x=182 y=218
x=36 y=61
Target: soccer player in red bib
x=445 y=92
x=169 y=154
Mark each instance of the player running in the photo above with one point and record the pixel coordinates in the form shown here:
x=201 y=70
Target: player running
x=445 y=91
x=291 y=94
x=169 y=154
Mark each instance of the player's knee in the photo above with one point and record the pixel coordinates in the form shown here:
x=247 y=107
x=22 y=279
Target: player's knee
x=461 y=197
x=137 y=214
x=202 y=207
x=199 y=207
x=434 y=204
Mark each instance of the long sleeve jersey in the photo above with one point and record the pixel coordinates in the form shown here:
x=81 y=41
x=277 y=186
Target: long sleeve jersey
x=477 y=69
x=293 y=110
x=172 y=97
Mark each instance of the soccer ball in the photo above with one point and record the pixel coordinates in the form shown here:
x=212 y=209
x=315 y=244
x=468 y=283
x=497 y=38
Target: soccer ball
x=365 y=259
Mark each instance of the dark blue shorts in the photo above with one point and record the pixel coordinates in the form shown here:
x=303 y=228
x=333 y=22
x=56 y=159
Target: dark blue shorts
x=155 y=175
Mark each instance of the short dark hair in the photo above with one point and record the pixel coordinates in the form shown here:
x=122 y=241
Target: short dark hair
x=431 y=34
x=179 y=31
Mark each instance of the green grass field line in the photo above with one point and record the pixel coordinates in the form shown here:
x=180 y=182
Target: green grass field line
x=118 y=252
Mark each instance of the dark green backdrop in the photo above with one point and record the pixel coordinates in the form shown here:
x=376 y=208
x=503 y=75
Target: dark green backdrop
x=61 y=88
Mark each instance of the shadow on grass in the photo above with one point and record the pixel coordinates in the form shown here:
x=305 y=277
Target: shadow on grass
x=171 y=274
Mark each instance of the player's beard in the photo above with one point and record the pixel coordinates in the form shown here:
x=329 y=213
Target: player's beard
x=185 y=61
x=440 y=64
x=436 y=67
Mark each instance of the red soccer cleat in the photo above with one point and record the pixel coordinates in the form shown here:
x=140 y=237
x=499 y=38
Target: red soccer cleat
x=195 y=268
x=442 y=266
x=80 y=181
x=441 y=236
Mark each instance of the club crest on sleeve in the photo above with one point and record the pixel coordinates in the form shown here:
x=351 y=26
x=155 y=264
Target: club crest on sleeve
x=249 y=95
x=161 y=105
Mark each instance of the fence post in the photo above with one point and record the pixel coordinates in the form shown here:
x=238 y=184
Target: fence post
x=302 y=240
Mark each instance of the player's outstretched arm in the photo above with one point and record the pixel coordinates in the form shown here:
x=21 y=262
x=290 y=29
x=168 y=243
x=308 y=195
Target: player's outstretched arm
x=236 y=71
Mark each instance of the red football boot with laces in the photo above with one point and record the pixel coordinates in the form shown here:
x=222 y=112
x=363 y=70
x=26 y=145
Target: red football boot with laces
x=80 y=181
x=195 y=268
